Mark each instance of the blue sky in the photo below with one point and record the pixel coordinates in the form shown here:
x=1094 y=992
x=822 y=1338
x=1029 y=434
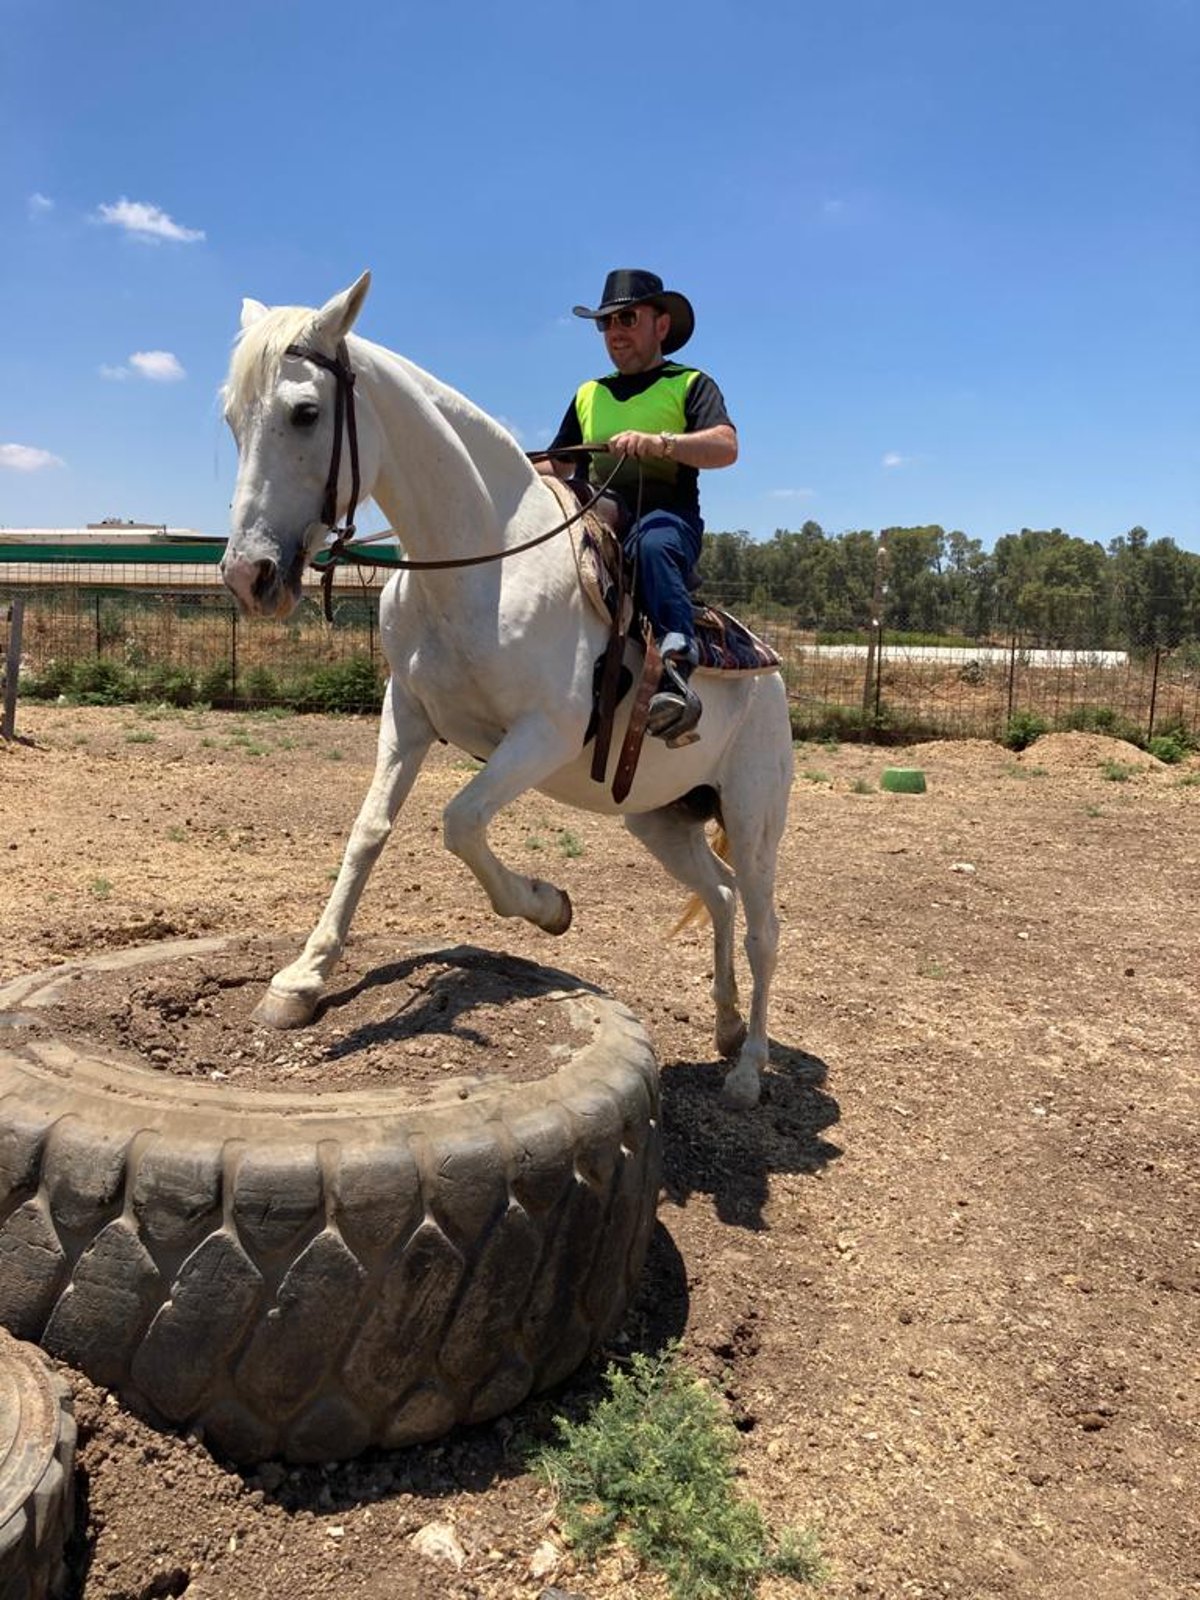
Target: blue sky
x=944 y=254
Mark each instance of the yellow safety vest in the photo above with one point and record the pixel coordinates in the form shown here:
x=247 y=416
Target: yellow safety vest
x=658 y=409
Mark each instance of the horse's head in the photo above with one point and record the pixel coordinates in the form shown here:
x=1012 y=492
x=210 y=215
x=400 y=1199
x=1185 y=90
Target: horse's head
x=295 y=469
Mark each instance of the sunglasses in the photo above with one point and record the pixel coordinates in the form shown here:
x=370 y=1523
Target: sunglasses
x=623 y=319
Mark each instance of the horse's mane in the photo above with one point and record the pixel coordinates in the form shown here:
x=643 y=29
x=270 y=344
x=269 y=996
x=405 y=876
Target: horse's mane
x=259 y=350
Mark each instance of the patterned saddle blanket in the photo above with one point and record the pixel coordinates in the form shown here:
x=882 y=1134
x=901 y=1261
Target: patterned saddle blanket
x=726 y=645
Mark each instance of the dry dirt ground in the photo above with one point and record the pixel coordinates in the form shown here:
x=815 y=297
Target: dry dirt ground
x=947 y=1275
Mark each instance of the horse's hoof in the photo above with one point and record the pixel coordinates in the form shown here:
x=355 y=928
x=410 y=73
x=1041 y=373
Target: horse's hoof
x=731 y=1037
x=280 y=1010
x=741 y=1088
x=561 y=920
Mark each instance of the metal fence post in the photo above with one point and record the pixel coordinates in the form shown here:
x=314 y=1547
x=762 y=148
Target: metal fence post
x=12 y=667
x=1153 y=692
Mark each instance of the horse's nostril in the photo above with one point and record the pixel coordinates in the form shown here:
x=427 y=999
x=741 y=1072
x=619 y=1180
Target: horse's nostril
x=264 y=577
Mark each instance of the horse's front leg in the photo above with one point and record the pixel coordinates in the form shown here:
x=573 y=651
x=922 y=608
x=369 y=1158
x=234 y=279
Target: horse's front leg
x=404 y=739
x=531 y=750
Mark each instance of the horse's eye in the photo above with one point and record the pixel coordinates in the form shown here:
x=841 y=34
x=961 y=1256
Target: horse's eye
x=305 y=414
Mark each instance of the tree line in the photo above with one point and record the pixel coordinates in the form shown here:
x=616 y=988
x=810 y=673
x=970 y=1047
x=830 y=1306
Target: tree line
x=1047 y=586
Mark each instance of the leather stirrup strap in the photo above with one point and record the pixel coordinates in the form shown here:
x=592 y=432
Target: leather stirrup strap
x=610 y=679
x=635 y=733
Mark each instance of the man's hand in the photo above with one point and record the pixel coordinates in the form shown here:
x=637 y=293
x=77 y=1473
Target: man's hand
x=710 y=447
x=641 y=446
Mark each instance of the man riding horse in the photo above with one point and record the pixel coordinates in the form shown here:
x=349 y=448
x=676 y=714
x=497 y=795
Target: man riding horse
x=662 y=423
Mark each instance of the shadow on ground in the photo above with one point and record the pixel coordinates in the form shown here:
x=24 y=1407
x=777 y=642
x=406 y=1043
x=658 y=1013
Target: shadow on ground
x=730 y=1155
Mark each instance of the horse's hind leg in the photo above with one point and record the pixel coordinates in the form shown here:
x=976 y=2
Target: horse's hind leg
x=677 y=840
x=404 y=739
x=754 y=799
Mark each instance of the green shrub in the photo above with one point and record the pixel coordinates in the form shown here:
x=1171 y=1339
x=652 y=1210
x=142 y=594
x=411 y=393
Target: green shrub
x=53 y=680
x=1100 y=719
x=351 y=685
x=1167 y=747
x=1023 y=728
x=171 y=686
x=215 y=687
x=260 y=686
x=101 y=683
x=654 y=1467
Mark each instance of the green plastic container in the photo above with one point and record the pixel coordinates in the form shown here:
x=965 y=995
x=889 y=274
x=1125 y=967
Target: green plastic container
x=903 y=780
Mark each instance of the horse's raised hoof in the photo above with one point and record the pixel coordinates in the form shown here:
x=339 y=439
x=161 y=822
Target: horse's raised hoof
x=282 y=1011
x=560 y=921
x=741 y=1088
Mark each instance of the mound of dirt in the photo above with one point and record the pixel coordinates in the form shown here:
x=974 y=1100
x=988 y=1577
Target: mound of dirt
x=1067 y=753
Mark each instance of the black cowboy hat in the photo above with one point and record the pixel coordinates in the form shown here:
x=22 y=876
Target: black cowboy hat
x=631 y=286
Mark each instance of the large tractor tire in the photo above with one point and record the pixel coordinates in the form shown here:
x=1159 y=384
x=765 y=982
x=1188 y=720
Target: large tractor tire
x=37 y=1460
x=304 y=1276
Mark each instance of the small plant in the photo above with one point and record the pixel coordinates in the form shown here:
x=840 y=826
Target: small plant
x=533 y=841
x=100 y=888
x=333 y=755
x=1023 y=728
x=141 y=736
x=1168 y=748
x=814 y=775
x=569 y=843
x=176 y=834
x=1116 y=771
x=862 y=786
x=259 y=686
x=654 y=1467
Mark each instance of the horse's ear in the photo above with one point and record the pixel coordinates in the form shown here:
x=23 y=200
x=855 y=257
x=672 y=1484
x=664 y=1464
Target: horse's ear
x=252 y=311
x=337 y=316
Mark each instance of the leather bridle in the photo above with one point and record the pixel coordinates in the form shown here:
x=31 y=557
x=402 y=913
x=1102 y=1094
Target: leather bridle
x=343 y=417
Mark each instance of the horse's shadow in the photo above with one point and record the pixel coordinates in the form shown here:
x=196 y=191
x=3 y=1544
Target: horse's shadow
x=708 y=1148
x=462 y=978
x=730 y=1155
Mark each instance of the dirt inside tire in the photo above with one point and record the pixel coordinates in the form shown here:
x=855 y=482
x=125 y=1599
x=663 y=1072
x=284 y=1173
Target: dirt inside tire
x=414 y=1020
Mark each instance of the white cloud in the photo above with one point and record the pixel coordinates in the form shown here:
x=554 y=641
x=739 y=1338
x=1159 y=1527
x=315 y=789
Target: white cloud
x=792 y=494
x=144 y=221
x=894 y=459
x=160 y=366
x=39 y=204
x=114 y=374
x=27 y=458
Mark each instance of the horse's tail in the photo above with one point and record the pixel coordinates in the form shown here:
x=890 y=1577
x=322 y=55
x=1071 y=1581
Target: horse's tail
x=694 y=910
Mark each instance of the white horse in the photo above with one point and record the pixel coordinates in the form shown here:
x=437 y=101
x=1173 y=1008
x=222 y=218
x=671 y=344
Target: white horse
x=496 y=659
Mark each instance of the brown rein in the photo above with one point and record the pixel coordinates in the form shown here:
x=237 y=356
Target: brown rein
x=343 y=416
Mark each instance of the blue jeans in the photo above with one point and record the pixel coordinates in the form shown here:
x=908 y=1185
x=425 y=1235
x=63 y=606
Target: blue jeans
x=665 y=549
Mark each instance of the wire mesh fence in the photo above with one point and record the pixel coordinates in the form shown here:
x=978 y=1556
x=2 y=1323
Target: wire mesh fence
x=186 y=645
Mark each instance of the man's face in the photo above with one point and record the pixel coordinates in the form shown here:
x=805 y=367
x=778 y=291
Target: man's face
x=636 y=348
